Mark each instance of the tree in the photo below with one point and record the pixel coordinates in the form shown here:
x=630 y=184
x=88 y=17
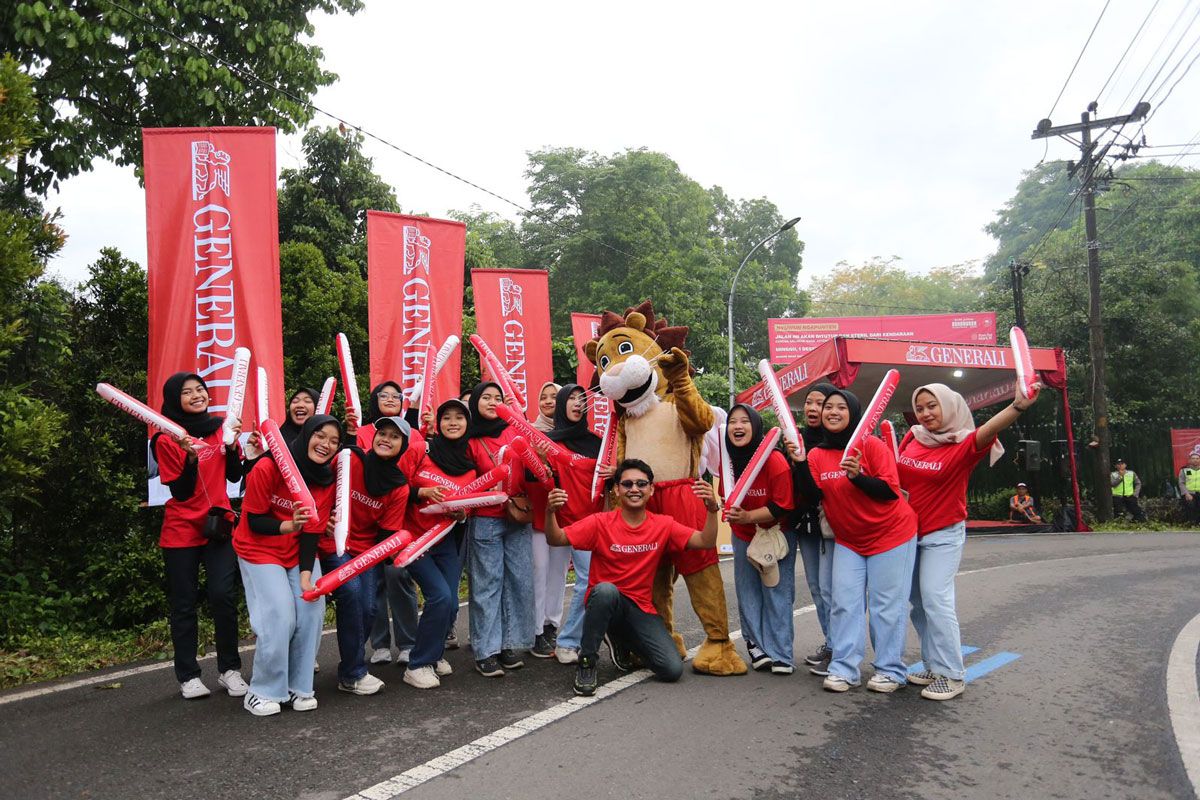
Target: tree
x=1037 y=207
x=882 y=287
x=104 y=69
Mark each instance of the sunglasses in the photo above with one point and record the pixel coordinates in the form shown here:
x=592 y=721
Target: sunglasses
x=627 y=485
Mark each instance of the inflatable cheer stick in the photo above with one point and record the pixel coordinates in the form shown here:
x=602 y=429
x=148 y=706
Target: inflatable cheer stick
x=753 y=468
x=499 y=373
x=727 y=480
x=341 y=502
x=541 y=472
x=465 y=502
x=888 y=431
x=332 y=580
x=486 y=481
x=417 y=547
x=237 y=394
x=873 y=412
x=287 y=466
x=425 y=399
x=530 y=433
x=444 y=352
x=325 y=401
x=349 y=384
x=608 y=452
x=779 y=403
x=1023 y=360
x=263 y=395
x=139 y=410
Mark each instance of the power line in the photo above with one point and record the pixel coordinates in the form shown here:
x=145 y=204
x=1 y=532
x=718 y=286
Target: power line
x=1121 y=60
x=1078 y=59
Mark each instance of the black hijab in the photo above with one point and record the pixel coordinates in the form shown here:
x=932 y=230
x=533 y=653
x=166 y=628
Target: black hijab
x=480 y=427
x=575 y=436
x=813 y=434
x=451 y=455
x=839 y=440
x=197 y=425
x=373 y=411
x=290 y=429
x=739 y=457
x=314 y=474
x=381 y=475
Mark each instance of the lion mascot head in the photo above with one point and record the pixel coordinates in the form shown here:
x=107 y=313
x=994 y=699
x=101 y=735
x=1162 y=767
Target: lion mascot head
x=635 y=357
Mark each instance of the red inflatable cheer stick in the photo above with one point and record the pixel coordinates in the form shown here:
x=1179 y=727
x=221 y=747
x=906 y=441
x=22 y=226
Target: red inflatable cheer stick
x=287 y=466
x=139 y=410
x=444 y=352
x=753 y=468
x=608 y=452
x=465 y=502
x=499 y=373
x=779 y=403
x=889 y=437
x=873 y=412
x=425 y=400
x=523 y=451
x=1023 y=360
x=417 y=547
x=349 y=383
x=325 y=401
x=327 y=583
x=237 y=394
x=486 y=481
x=530 y=433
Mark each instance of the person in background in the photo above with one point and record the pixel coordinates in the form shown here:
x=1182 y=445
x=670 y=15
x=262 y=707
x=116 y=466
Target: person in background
x=1189 y=487
x=1126 y=489
x=547 y=396
x=301 y=405
x=1021 y=507
x=549 y=563
x=195 y=468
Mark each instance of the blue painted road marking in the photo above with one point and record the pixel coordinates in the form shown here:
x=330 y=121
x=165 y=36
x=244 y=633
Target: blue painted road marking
x=976 y=671
x=920 y=665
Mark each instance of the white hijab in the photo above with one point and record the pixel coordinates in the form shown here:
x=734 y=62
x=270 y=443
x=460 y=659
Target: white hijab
x=957 y=422
x=543 y=423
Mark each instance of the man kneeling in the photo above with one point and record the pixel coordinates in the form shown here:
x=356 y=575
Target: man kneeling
x=626 y=544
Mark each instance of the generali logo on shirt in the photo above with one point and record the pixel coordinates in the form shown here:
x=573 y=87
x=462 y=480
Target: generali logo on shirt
x=366 y=500
x=833 y=475
x=931 y=466
x=440 y=480
x=282 y=502
x=644 y=547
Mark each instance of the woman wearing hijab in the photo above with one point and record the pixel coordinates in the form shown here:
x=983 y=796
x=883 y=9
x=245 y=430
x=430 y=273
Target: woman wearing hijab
x=301 y=406
x=446 y=467
x=816 y=551
x=937 y=457
x=378 y=499
x=765 y=598
x=195 y=469
x=875 y=545
x=574 y=470
x=500 y=551
x=547 y=402
x=276 y=543
x=549 y=563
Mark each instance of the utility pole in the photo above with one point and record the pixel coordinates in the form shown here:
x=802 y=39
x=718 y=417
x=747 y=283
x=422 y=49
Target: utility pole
x=1019 y=270
x=1089 y=160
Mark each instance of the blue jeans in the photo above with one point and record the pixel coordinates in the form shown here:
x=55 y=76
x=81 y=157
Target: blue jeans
x=437 y=573
x=288 y=630
x=817 y=555
x=933 y=612
x=501 y=598
x=888 y=578
x=766 y=611
x=395 y=593
x=571 y=633
x=354 y=609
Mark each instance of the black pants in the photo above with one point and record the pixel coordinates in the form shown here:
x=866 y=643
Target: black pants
x=183 y=592
x=1191 y=511
x=609 y=611
x=1128 y=504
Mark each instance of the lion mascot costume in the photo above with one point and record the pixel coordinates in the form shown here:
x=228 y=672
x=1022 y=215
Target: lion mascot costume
x=643 y=369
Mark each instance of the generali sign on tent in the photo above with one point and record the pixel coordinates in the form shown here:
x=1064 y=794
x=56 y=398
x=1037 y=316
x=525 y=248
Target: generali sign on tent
x=792 y=338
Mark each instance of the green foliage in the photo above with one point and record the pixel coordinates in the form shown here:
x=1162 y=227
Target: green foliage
x=17 y=113
x=881 y=286
x=102 y=73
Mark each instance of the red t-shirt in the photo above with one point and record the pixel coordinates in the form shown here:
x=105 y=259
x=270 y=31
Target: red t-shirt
x=936 y=480
x=430 y=474
x=865 y=525
x=628 y=557
x=575 y=476
x=368 y=514
x=410 y=459
x=774 y=485
x=183 y=520
x=485 y=451
x=266 y=493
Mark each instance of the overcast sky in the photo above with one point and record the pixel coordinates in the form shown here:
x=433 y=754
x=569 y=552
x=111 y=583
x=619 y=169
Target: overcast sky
x=891 y=128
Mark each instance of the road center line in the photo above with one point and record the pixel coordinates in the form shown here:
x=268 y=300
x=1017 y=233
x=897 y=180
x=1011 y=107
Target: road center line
x=1183 y=698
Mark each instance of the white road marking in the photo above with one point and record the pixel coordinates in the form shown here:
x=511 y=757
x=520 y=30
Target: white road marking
x=1183 y=698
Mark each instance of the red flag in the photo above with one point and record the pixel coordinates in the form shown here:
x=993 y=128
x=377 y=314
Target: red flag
x=584 y=328
x=414 y=297
x=512 y=313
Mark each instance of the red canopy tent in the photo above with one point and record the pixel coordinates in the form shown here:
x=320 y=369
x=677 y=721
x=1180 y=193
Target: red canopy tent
x=983 y=374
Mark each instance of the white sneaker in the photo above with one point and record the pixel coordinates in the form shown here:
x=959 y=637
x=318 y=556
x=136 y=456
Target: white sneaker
x=403 y=658
x=193 y=689
x=233 y=682
x=367 y=684
x=884 y=684
x=258 y=706
x=302 y=703
x=382 y=656
x=443 y=668
x=422 y=678
x=836 y=683
x=566 y=655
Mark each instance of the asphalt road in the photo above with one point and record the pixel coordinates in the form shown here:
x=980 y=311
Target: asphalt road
x=1077 y=709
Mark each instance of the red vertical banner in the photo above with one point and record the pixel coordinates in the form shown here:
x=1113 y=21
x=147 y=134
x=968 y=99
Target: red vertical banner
x=414 y=297
x=1184 y=442
x=584 y=328
x=212 y=231
x=512 y=314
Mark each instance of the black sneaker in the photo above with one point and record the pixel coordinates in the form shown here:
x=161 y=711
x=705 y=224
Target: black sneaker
x=758 y=659
x=781 y=668
x=821 y=669
x=621 y=657
x=489 y=668
x=823 y=653
x=510 y=660
x=585 y=676
x=542 y=647
x=452 y=640
x=551 y=634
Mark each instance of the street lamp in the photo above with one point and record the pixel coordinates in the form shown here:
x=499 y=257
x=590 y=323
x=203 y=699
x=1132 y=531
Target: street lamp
x=791 y=223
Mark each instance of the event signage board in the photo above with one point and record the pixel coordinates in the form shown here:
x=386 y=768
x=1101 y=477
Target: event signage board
x=1184 y=442
x=584 y=328
x=512 y=314
x=792 y=338
x=414 y=297
x=212 y=235
x=807 y=369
